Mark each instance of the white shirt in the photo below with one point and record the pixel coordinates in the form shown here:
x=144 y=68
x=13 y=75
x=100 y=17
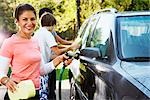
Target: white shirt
x=46 y=41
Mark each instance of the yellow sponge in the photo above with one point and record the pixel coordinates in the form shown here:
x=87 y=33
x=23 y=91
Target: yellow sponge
x=25 y=89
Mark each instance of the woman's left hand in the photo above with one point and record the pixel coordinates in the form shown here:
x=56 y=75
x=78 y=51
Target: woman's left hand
x=10 y=84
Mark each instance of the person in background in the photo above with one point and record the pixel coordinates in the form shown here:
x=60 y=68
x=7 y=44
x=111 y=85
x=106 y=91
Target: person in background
x=52 y=76
x=22 y=51
x=50 y=50
x=56 y=36
x=63 y=43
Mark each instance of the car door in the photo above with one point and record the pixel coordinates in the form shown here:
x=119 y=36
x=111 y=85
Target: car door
x=101 y=41
x=76 y=66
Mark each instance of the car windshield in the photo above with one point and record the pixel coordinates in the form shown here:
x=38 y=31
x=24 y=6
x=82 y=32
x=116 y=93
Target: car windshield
x=134 y=37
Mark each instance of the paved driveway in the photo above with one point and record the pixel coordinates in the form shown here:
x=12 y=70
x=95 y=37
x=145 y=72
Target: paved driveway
x=65 y=85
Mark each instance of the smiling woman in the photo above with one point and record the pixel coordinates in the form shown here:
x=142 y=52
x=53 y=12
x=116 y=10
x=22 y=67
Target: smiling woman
x=22 y=52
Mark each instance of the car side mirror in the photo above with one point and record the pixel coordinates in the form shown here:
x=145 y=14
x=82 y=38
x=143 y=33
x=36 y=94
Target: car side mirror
x=91 y=52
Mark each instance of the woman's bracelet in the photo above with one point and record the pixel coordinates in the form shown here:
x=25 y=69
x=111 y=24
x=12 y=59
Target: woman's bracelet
x=5 y=80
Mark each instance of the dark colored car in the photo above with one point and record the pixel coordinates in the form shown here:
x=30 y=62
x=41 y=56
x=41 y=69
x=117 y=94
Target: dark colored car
x=114 y=57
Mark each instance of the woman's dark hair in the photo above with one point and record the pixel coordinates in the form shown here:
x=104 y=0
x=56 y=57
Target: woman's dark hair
x=43 y=10
x=21 y=8
x=47 y=19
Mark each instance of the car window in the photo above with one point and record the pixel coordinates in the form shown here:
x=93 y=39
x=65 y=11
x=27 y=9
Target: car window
x=82 y=28
x=135 y=36
x=89 y=29
x=101 y=37
x=81 y=33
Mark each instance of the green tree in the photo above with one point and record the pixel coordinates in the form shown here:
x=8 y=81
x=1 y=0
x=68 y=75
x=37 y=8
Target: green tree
x=6 y=16
x=139 y=5
x=65 y=11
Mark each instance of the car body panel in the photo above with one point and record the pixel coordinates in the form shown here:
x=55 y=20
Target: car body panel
x=116 y=78
x=137 y=73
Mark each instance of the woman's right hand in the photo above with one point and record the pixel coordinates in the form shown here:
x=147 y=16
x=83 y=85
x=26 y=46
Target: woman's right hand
x=10 y=84
x=64 y=58
x=59 y=59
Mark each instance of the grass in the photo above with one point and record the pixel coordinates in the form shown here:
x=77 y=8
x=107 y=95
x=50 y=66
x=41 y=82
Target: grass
x=65 y=74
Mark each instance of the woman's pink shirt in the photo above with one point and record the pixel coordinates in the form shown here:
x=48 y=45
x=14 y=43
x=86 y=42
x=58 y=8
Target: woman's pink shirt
x=25 y=58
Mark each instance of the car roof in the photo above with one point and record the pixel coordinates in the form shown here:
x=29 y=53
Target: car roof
x=114 y=12
x=132 y=13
